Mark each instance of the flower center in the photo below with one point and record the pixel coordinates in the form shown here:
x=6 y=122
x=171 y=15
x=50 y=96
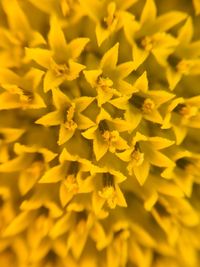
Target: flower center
x=36 y=169
x=148 y=43
x=71 y=184
x=59 y=69
x=137 y=157
x=69 y=122
x=104 y=83
x=108 y=192
x=186 y=110
x=148 y=106
x=184 y=66
x=111 y=137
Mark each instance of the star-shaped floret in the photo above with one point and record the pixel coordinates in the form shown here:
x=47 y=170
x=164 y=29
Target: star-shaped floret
x=107 y=190
x=109 y=16
x=108 y=81
x=8 y=136
x=31 y=162
x=60 y=60
x=105 y=135
x=20 y=91
x=185 y=172
x=20 y=35
x=182 y=113
x=140 y=102
x=144 y=152
x=149 y=34
x=73 y=174
x=67 y=115
x=185 y=59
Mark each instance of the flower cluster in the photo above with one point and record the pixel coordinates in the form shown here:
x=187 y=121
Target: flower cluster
x=99 y=133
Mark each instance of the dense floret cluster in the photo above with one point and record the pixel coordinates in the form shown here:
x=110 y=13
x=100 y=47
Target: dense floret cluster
x=99 y=133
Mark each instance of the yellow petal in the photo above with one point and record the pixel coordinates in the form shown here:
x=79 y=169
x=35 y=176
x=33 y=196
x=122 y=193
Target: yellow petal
x=125 y=69
x=51 y=119
x=15 y=164
x=76 y=46
x=142 y=83
x=180 y=133
x=51 y=80
x=168 y=20
x=8 y=77
x=139 y=55
x=61 y=226
x=16 y=17
x=65 y=134
x=65 y=195
x=196 y=4
x=11 y=134
x=158 y=159
x=100 y=147
x=110 y=58
x=141 y=172
x=186 y=32
x=92 y=76
x=160 y=143
x=56 y=37
x=19 y=224
x=40 y=56
x=101 y=34
x=149 y=12
x=54 y=175
x=121 y=201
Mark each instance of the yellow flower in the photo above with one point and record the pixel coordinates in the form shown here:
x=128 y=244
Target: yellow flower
x=108 y=80
x=149 y=34
x=141 y=102
x=143 y=152
x=109 y=17
x=60 y=60
x=99 y=159
x=182 y=114
x=67 y=115
x=104 y=138
x=19 y=35
x=20 y=92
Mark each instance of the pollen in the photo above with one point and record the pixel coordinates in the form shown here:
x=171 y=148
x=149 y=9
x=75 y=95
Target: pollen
x=148 y=106
x=137 y=157
x=59 y=69
x=71 y=184
x=108 y=193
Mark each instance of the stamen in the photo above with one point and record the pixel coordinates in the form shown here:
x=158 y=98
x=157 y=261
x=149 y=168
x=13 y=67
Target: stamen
x=137 y=157
x=148 y=43
x=69 y=122
x=148 y=106
x=71 y=184
x=71 y=181
x=104 y=83
x=111 y=137
x=59 y=69
x=183 y=66
x=108 y=192
x=186 y=110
